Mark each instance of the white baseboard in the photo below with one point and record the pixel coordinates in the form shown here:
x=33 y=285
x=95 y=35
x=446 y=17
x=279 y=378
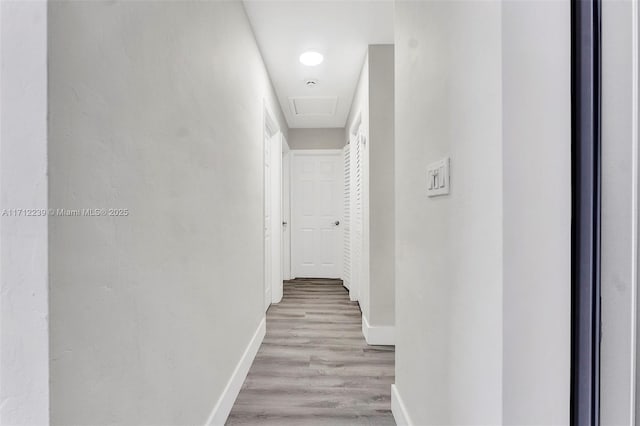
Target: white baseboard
x=378 y=334
x=352 y=296
x=398 y=409
x=223 y=407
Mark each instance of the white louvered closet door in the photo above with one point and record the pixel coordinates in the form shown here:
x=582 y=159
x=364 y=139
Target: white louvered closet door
x=346 y=261
x=356 y=222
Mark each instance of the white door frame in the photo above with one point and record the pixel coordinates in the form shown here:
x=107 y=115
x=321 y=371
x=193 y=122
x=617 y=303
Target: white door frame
x=272 y=275
x=286 y=210
x=307 y=152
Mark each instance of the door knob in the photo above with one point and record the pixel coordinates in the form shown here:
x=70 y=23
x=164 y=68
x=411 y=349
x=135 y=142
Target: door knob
x=284 y=223
x=336 y=223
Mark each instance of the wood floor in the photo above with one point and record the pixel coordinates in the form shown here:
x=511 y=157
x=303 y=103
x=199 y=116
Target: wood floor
x=314 y=367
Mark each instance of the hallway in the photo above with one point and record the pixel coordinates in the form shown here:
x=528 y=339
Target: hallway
x=314 y=367
x=168 y=168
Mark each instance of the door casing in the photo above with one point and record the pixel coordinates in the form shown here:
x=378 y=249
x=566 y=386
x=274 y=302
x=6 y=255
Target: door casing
x=286 y=210
x=272 y=213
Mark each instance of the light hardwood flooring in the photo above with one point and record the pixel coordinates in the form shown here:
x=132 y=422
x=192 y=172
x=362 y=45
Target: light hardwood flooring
x=314 y=366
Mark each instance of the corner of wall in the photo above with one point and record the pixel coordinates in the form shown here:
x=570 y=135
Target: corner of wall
x=398 y=409
x=378 y=334
x=24 y=278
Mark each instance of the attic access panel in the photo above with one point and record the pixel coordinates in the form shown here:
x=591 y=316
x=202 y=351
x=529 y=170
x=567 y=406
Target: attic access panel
x=313 y=106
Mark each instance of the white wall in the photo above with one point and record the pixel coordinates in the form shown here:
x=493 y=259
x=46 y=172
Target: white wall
x=156 y=107
x=24 y=342
x=619 y=212
x=536 y=97
x=473 y=81
x=325 y=138
x=449 y=249
x=381 y=185
x=373 y=103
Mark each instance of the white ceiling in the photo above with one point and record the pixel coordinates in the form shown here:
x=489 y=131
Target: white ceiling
x=340 y=30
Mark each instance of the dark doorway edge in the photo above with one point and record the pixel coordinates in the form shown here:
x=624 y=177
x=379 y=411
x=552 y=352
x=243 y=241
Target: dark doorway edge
x=585 y=206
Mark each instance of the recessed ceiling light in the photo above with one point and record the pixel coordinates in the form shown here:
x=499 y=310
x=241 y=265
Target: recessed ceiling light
x=311 y=59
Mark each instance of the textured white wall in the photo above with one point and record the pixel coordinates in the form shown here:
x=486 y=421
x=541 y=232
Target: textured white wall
x=483 y=274
x=24 y=340
x=156 y=107
x=325 y=138
x=449 y=249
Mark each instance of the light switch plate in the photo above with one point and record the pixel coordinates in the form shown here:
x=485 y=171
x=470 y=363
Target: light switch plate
x=438 y=178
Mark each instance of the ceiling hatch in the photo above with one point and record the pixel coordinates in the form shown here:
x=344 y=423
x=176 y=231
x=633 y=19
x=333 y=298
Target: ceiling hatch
x=313 y=106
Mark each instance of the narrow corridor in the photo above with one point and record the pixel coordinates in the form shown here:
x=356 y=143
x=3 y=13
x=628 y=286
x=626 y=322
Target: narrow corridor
x=314 y=366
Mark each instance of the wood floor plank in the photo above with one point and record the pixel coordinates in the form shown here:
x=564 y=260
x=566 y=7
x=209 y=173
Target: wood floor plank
x=314 y=367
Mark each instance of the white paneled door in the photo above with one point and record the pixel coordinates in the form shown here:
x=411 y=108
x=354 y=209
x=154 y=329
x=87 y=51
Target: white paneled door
x=317 y=207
